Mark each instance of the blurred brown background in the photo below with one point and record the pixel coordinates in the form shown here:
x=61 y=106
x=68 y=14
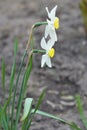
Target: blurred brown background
x=69 y=73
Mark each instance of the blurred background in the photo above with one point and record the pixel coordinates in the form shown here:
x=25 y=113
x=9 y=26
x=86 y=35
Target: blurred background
x=69 y=73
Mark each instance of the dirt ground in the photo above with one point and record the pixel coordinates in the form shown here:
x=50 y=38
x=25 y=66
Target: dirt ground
x=68 y=76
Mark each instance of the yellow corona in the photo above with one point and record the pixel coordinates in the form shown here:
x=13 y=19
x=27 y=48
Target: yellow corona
x=51 y=52
x=56 y=23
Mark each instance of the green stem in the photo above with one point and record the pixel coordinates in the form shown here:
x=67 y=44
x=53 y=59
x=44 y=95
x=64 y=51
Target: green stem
x=39 y=24
x=15 y=89
x=39 y=51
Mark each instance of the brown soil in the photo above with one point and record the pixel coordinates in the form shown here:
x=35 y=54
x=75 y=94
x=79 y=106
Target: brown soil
x=68 y=76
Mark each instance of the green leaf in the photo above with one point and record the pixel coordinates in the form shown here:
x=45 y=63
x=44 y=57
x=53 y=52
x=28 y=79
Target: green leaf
x=27 y=108
x=28 y=121
x=12 y=77
x=15 y=88
x=6 y=104
x=13 y=66
x=3 y=116
x=74 y=126
x=15 y=46
x=51 y=116
x=27 y=74
x=81 y=111
x=1 y=110
x=3 y=74
x=83 y=8
x=39 y=101
x=5 y=123
x=22 y=91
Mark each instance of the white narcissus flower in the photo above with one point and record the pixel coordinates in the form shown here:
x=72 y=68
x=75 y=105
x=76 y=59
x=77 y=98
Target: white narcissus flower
x=53 y=24
x=50 y=52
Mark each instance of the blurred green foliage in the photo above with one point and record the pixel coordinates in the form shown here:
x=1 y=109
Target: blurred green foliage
x=83 y=8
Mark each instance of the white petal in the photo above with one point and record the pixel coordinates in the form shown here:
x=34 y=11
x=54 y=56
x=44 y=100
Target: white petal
x=48 y=62
x=43 y=43
x=48 y=12
x=53 y=35
x=51 y=14
x=50 y=44
x=46 y=31
x=43 y=60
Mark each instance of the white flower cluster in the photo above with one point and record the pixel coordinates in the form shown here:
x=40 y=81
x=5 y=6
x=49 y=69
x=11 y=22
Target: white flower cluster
x=53 y=23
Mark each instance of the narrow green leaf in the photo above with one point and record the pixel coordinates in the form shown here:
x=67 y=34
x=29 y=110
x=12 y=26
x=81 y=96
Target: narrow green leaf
x=28 y=121
x=15 y=89
x=39 y=101
x=5 y=124
x=12 y=77
x=1 y=116
x=3 y=74
x=13 y=66
x=6 y=104
x=51 y=116
x=15 y=46
x=27 y=108
x=74 y=127
x=22 y=91
x=27 y=74
x=83 y=8
x=81 y=111
x=30 y=117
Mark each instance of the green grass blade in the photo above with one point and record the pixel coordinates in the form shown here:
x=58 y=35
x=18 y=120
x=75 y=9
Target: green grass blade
x=6 y=108
x=37 y=106
x=71 y=125
x=3 y=119
x=14 y=66
x=81 y=111
x=6 y=104
x=5 y=124
x=22 y=91
x=28 y=121
x=12 y=77
x=15 y=89
x=28 y=71
x=74 y=127
x=39 y=101
x=83 y=8
x=1 y=116
x=51 y=116
x=3 y=74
